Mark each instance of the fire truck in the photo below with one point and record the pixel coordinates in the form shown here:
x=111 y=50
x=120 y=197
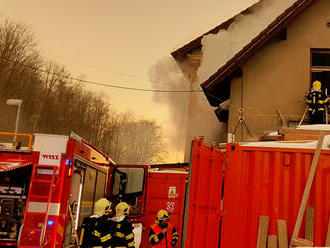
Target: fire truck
x=48 y=188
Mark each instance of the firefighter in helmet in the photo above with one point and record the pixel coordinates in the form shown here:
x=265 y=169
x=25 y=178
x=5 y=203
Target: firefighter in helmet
x=163 y=234
x=90 y=235
x=123 y=235
x=316 y=101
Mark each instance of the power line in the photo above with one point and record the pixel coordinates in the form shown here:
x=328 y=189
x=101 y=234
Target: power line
x=103 y=84
x=94 y=66
x=105 y=69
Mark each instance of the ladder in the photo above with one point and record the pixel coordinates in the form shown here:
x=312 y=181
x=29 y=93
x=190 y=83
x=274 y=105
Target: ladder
x=42 y=185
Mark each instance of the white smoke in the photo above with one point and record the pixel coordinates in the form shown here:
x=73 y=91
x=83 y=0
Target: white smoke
x=166 y=75
x=221 y=47
x=191 y=115
x=191 y=111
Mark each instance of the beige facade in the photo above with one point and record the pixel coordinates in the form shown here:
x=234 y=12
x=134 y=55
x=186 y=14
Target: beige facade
x=278 y=75
x=276 y=78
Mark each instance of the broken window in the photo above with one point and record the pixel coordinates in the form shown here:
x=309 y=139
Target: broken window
x=320 y=68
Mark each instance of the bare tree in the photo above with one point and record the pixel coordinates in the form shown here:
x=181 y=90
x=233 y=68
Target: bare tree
x=18 y=62
x=139 y=142
x=17 y=48
x=53 y=103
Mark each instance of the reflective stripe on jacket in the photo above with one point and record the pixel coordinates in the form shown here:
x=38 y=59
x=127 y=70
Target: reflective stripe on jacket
x=156 y=232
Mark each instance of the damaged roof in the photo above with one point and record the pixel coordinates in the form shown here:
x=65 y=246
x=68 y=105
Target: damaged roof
x=197 y=43
x=235 y=62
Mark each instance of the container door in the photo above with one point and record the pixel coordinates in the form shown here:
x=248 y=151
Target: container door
x=202 y=223
x=164 y=191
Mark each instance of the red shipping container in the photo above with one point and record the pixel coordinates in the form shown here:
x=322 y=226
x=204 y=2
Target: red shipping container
x=203 y=206
x=261 y=180
x=165 y=190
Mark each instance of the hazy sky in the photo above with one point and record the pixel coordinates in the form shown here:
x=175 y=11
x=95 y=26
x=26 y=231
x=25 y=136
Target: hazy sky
x=122 y=37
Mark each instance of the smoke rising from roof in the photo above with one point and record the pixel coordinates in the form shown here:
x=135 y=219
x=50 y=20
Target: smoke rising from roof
x=221 y=47
x=167 y=74
x=190 y=112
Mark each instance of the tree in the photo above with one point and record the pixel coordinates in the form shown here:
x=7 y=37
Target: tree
x=17 y=48
x=18 y=74
x=139 y=142
x=54 y=103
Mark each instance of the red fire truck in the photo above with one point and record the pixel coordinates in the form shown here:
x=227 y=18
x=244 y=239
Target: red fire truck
x=47 y=189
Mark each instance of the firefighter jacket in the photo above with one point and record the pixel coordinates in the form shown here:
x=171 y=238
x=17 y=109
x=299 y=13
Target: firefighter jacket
x=160 y=240
x=90 y=236
x=122 y=235
x=316 y=101
x=105 y=232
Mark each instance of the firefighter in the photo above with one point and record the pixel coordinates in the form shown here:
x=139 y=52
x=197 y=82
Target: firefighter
x=92 y=226
x=123 y=236
x=316 y=101
x=163 y=234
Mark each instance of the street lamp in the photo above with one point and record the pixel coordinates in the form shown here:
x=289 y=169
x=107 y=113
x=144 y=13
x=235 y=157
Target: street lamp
x=18 y=103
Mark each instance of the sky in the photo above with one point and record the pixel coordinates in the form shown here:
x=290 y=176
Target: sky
x=117 y=41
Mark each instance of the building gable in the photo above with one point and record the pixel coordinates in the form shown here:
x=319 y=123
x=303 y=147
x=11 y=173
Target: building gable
x=218 y=82
x=277 y=77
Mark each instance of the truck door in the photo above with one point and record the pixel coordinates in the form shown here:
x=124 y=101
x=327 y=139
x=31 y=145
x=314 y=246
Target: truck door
x=202 y=218
x=74 y=200
x=88 y=185
x=128 y=184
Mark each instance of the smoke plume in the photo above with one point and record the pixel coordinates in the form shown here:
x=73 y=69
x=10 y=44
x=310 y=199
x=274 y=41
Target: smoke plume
x=191 y=114
x=221 y=47
x=166 y=75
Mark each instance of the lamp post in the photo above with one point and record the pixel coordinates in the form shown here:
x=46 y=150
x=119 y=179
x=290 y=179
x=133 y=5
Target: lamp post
x=18 y=103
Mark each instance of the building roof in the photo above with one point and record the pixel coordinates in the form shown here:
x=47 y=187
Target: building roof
x=235 y=62
x=197 y=43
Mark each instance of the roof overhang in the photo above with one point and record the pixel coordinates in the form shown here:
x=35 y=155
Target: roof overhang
x=197 y=43
x=237 y=61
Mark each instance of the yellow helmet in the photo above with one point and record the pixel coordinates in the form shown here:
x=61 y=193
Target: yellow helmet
x=102 y=206
x=162 y=215
x=317 y=85
x=122 y=208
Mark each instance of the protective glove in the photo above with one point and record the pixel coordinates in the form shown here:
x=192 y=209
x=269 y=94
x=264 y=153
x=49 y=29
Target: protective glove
x=173 y=243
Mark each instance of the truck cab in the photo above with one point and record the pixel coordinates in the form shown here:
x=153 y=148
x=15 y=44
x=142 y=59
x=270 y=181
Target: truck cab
x=48 y=188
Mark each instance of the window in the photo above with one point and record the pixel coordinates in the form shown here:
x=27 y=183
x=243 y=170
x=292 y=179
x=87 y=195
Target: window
x=320 y=68
x=100 y=185
x=87 y=203
x=87 y=186
x=128 y=186
x=128 y=181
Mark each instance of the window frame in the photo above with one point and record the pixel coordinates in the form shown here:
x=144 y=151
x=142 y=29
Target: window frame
x=318 y=68
x=143 y=196
x=83 y=163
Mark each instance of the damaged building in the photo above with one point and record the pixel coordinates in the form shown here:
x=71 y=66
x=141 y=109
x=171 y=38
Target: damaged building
x=256 y=68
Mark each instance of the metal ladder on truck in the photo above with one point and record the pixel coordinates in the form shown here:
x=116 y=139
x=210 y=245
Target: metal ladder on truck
x=38 y=207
